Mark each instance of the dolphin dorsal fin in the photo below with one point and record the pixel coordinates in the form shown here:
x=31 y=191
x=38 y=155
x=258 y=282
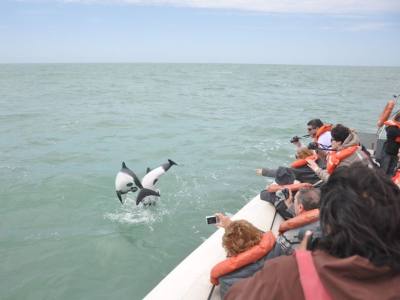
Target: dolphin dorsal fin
x=123 y=164
x=148 y=170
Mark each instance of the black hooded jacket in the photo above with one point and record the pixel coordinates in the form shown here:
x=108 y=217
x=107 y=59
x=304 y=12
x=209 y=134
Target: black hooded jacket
x=391 y=146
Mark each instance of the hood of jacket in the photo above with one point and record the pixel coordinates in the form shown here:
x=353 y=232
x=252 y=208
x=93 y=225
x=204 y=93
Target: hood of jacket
x=356 y=275
x=351 y=140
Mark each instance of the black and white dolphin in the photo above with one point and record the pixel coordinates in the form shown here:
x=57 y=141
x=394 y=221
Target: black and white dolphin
x=149 y=180
x=125 y=180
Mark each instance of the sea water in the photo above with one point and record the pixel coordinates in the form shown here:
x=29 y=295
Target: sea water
x=66 y=128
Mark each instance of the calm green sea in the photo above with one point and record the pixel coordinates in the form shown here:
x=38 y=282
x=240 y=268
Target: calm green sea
x=66 y=128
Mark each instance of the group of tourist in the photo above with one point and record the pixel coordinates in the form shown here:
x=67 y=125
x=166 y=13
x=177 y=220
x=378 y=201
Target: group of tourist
x=340 y=235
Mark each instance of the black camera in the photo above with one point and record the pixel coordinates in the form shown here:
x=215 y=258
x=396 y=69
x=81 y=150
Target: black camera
x=313 y=146
x=313 y=240
x=282 y=194
x=294 y=139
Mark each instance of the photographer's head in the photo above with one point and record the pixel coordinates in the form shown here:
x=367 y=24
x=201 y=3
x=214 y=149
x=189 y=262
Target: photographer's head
x=313 y=125
x=306 y=199
x=339 y=135
x=240 y=236
x=360 y=209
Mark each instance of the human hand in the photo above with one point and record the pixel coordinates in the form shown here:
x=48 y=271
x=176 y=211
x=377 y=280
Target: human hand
x=259 y=172
x=296 y=141
x=312 y=164
x=289 y=200
x=303 y=244
x=298 y=144
x=223 y=221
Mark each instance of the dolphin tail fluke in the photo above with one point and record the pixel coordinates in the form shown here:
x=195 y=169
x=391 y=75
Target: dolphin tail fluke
x=144 y=193
x=168 y=165
x=119 y=197
x=172 y=162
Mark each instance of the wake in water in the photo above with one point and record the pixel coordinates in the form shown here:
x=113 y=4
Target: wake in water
x=129 y=213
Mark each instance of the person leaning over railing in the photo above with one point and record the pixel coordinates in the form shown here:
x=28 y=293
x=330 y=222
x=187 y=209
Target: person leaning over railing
x=358 y=254
x=346 y=151
x=299 y=169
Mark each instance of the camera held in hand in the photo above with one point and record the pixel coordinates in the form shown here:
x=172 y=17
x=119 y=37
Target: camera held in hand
x=312 y=242
x=313 y=146
x=283 y=194
x=294 y=139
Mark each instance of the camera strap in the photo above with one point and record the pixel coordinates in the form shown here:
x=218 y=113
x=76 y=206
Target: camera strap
x=211 y=292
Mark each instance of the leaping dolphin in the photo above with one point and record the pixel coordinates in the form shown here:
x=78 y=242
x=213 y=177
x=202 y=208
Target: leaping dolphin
x=149 y=180
x=125 y=180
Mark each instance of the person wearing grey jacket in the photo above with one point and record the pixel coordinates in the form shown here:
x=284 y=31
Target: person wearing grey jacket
x=346 y=150
x=305 y=202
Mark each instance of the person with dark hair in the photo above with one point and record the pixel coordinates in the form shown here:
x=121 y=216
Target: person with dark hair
x=340 y=133
x=346 y=151
x=315 y=123
x=358 y=253
x=391 y=146
x=320 y=132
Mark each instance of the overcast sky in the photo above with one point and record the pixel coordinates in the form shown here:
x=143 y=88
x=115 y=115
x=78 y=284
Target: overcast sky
x=324 y=32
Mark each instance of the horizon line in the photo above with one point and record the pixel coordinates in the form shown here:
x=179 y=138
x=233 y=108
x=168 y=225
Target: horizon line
x=196 y=63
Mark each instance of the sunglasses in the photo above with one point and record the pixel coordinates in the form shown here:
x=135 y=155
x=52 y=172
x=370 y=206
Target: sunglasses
x=310 y=128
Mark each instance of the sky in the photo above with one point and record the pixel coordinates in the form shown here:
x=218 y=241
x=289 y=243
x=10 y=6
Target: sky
x=306 y=32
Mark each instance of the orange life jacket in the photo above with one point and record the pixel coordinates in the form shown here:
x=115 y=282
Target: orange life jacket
x=242 y=259
x=393 y=123
x=396 y=178
x=324 y=128
x=386 y=113
x=307 y=217
x=303 y=161
x=273 y=188
x=334 y=158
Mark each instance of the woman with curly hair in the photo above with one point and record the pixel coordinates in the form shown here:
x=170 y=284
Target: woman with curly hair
x=240 y=236
x=246 y=247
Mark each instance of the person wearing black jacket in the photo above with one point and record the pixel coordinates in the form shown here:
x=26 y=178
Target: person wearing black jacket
x=302 y=172
x=391 y=146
